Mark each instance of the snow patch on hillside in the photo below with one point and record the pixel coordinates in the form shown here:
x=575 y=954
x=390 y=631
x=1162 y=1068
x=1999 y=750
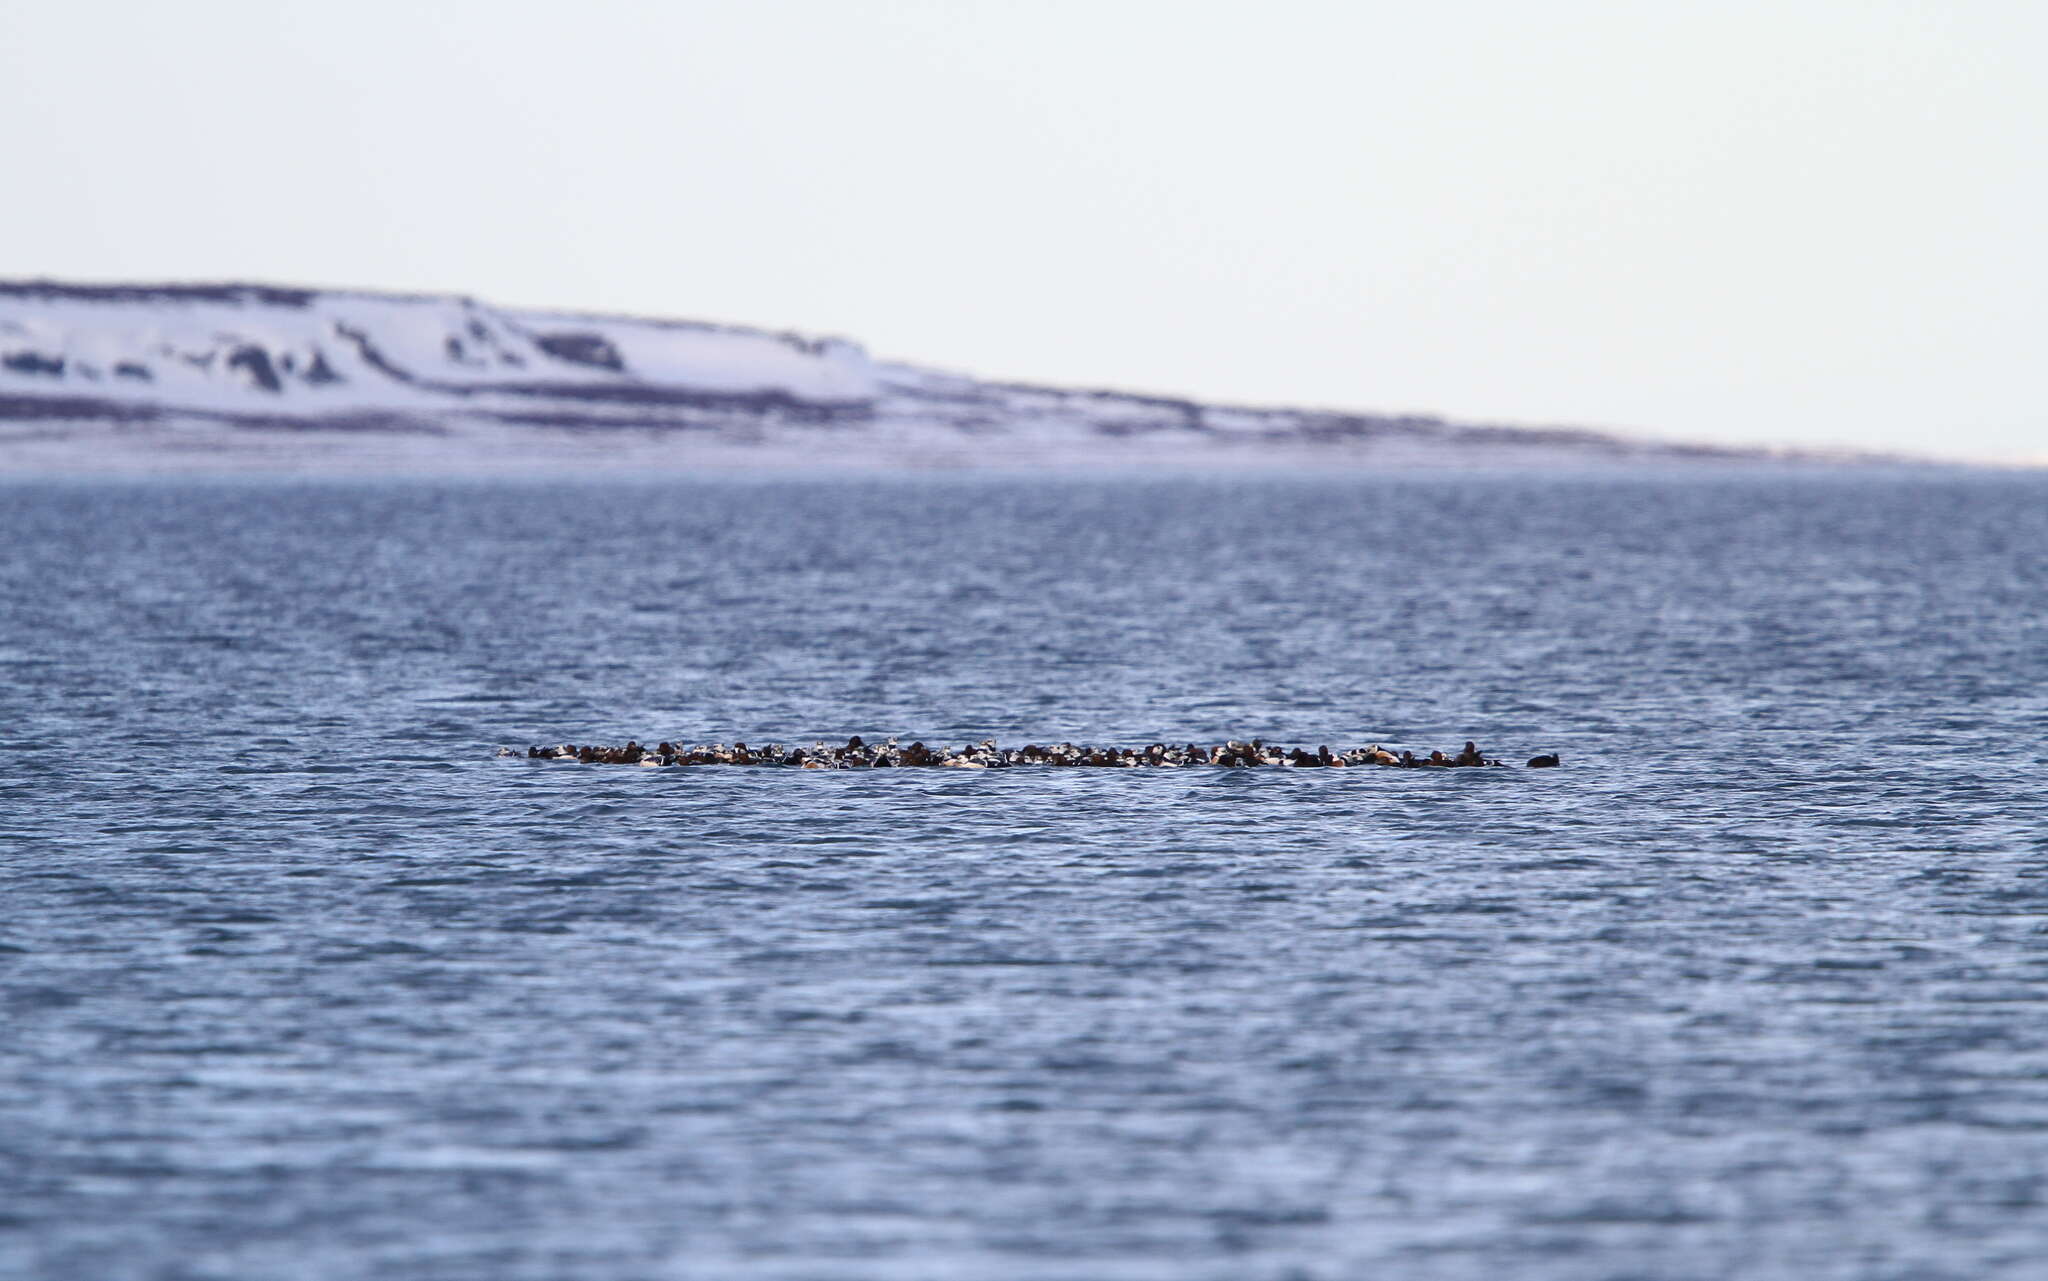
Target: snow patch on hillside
x=250 y=352
x=235 y=377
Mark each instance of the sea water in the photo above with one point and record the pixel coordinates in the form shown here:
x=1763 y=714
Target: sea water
x=298 y=979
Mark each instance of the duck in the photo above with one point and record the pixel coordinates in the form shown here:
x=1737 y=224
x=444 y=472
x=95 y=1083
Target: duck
x=1546 y=761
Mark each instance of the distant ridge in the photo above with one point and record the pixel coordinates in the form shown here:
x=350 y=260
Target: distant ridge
x=231 y=375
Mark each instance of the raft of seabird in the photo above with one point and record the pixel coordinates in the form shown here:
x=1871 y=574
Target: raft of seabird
x=859 y=754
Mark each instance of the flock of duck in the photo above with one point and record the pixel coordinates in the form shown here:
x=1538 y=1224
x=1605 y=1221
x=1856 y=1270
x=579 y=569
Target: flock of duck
x=857 y=754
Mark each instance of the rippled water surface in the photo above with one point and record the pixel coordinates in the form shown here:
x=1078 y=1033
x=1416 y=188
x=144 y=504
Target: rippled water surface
x=297 y=980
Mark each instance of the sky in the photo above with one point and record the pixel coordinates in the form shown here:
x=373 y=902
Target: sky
x=1806 y=222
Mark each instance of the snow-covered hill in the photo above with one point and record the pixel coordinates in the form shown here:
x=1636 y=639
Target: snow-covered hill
x=152 y=377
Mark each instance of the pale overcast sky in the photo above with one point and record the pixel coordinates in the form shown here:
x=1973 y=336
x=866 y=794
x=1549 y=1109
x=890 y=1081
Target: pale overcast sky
x=1814 y=222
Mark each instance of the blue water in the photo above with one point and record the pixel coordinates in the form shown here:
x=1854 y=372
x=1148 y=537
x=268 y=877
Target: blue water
x=298 y=980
